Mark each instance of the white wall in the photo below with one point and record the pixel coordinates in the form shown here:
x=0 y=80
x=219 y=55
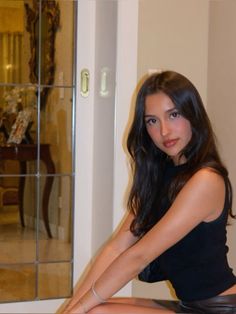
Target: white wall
x=104 y=110
x=126 y=80
x=173 y=35
x=126 y=76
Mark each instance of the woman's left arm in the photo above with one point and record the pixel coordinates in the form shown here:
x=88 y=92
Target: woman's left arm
x=201 y=199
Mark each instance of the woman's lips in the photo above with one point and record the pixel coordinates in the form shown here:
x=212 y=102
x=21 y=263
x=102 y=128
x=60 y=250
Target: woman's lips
x=170 y=143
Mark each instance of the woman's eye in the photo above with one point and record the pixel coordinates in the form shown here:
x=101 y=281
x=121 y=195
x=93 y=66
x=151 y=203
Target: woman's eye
x=151 y=121
x=174 y=114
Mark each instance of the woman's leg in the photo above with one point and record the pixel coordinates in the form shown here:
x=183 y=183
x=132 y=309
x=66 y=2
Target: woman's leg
x=130 y=306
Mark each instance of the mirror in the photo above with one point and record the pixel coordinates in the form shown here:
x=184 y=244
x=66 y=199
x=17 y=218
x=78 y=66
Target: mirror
x=42 y=42
x=37 y=91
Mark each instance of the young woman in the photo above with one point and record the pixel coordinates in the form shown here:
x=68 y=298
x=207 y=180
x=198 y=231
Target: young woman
x=178 y=209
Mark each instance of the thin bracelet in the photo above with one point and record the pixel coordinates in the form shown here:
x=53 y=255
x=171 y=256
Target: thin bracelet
x=83 y=307
x=97 y=296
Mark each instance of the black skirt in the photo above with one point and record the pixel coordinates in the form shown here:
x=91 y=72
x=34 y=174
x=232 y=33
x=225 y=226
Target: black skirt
x=223 y=304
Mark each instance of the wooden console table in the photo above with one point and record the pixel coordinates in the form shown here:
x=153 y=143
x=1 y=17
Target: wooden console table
x=24 y=153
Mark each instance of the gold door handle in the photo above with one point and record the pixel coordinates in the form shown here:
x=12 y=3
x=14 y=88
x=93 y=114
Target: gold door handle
x=84 y=84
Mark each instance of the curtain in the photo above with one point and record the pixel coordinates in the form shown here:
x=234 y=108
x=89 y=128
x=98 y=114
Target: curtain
x=10 y=57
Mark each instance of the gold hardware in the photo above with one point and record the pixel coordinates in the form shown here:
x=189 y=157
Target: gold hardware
x=84 y=84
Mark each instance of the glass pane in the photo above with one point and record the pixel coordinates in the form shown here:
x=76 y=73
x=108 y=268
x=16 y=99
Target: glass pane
x=17 y=220
x=58 y=213
x=55 y=280
x=15 y=43
x=17 y=283
x=18 y=129
x=56 y=129
x=57 y=43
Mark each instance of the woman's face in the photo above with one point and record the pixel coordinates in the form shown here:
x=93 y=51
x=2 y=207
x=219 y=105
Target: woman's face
x=168 y=129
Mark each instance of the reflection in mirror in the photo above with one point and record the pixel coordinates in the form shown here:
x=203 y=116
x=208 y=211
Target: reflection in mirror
x=18 y=282
x=18 y=114
x=42 y=24
x=36 y=169
x=59 y=138
x=11 y=40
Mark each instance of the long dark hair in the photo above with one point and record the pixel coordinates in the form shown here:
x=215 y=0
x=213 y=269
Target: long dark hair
x=148 y=161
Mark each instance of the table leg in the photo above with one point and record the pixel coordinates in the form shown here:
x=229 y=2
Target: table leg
x=21 y=191
x=45 y=156
x=46 y=194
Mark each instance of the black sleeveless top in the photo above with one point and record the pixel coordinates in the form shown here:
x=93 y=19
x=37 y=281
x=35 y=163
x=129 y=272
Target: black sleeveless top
x=197 y=265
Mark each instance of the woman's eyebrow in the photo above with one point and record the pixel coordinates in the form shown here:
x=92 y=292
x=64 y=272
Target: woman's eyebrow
x=167 y=111
x=171 y=109
x=149 y=116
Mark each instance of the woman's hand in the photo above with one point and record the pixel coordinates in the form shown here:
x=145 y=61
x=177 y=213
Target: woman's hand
x=121 y=241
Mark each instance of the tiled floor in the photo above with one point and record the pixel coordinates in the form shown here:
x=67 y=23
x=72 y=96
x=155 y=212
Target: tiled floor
x=30 y=268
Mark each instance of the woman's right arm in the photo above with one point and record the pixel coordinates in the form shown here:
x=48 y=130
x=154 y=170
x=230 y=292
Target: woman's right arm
x=120 y=241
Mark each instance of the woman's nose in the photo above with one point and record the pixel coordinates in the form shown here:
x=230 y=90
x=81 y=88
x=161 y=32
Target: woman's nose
x=165 y=128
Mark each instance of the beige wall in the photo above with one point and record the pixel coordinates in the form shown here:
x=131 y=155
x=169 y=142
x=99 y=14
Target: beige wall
x=222 y=91
x=173 y=34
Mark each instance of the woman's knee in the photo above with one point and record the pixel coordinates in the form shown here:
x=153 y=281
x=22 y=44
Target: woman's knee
x=99 y=309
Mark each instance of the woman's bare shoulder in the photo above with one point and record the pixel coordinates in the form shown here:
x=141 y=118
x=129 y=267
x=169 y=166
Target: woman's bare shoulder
x=209 y=178
x=210 y=187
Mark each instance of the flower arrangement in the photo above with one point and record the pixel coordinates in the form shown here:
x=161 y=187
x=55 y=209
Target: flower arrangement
x=17 y=114
x=13 y=100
